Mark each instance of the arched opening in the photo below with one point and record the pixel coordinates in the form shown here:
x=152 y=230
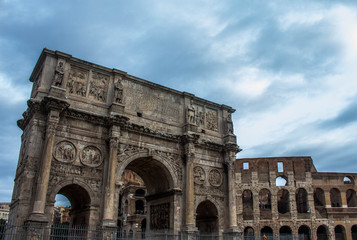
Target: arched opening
x=207 y=217
x=285 y=233
x=319 y=203
x=143 y=228
x=61 y=211
x=265 y=204
x=150 y=178
x=301 y=201
x=249 y=233
x=335 y=197
x=354 y=232
x=247 y=198
x=281 y=181
x=322 y=233
x=283 y=201
x=266 y=232
x=140 y=193
x=347 y=180
x=351 y=198
x=319 y=197
x=139 y=207
x=340 y=233
x=304 y=233
x=80 y=201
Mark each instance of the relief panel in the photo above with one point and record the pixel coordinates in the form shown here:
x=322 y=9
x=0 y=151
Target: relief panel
x=98 y=87
x=212 y=120
x=65 y=151
x=77 y=82
x=91 y=156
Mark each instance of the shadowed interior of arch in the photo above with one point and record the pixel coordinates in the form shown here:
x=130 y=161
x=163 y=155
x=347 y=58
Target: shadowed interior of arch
x=207 y=217
x=155 y=175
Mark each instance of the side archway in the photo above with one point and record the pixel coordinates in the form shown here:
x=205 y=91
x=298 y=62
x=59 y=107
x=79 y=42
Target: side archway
x=207 y=217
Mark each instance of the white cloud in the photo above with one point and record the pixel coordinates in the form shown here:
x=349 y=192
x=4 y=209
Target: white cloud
x=10 y=93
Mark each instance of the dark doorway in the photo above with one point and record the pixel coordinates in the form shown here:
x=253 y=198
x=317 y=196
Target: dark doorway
x=207 y=217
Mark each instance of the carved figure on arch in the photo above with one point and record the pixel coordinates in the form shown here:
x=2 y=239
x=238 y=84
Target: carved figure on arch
x=118 y=91
x=65 y=152
x=215 y=178
x=59 y=72
x=199 y=175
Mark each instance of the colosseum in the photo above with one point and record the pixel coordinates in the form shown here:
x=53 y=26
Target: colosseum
x=134 y=157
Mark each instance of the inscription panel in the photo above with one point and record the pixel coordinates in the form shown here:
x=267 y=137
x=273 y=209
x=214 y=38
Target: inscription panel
x=153 y=102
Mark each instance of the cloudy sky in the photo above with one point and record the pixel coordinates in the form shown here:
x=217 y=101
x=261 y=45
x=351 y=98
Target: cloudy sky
x=288 y=67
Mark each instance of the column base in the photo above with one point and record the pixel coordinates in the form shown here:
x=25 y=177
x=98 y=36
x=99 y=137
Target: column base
x=109 y=224
x=39 y=218
x=232 y=233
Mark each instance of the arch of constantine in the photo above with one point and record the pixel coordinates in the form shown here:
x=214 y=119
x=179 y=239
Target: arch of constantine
x=87 y=126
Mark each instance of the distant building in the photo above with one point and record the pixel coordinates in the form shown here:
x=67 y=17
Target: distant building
x=61 y=215
x=4 y=211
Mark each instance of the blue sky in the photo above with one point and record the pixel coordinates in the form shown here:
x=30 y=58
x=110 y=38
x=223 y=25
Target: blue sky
x=288 y=67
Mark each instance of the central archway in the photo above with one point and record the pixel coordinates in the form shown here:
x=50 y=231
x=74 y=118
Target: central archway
x=157 y=201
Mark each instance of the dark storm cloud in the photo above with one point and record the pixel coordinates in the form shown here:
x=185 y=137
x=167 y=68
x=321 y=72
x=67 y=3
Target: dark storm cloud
x=347 y=116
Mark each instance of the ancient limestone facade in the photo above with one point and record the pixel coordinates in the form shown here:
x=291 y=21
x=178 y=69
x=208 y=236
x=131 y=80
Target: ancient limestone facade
x=88 y=129
x=86 y=125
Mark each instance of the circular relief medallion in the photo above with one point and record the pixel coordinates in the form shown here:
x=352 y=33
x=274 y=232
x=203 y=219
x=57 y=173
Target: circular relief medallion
x=65 y=152
x=91 y=156
x=215 y=178
x=199 y=175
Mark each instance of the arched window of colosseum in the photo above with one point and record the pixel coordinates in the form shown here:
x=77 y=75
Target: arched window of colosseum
x=281 y=181
x=140 y=193
x=347 y=180
x=268 y=232
x=354 y=232
x=340 y=233
x=283 y=201
x=285 y=233
x=247 y=198
x=139 y=207
x=351 y=198
x=249 y=233
x=304 y=233
x=335 y=197
x=301 y=201
x=319 y=197
x=322 y=233
x=264 y=199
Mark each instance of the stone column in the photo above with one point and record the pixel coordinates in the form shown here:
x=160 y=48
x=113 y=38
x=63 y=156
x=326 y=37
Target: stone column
x=38 y=212
x=189 y=191
x=109 y=219
x=230 y=157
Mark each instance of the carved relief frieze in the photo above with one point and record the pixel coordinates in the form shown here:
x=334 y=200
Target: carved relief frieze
x=76 y=83
x=59 y=73
x=98 y=86
x=211 y=120
x=215 y=178
x=65 y=151
x=126 y=150
x=94 y=184
x=160 y=216
x=199 y=175
x=118 y=90
x=173 y=160
x=55 y=179
x=91 y=156
x=66 y=169
x=202 y=189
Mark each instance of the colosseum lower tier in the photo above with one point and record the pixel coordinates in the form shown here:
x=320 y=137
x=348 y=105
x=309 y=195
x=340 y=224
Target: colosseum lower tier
x=133 y=157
